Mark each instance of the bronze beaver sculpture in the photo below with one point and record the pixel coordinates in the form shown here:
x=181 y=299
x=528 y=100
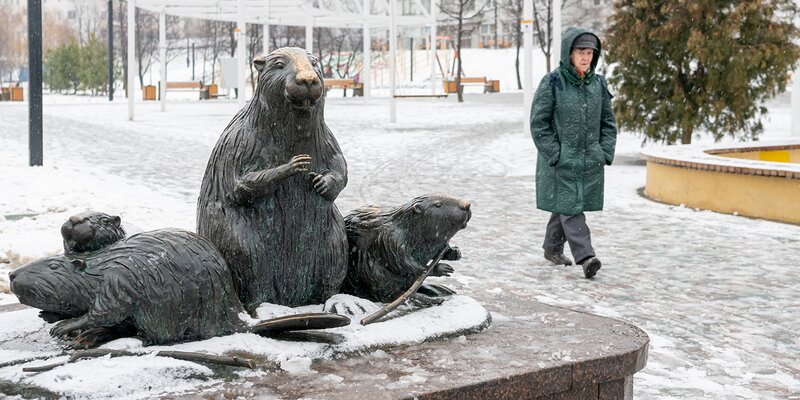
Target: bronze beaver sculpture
x=390 y=246
x=266 y=201
x=165 y=286
x=91 y=231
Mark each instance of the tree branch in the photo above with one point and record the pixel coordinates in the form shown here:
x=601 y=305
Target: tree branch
x=179 y=355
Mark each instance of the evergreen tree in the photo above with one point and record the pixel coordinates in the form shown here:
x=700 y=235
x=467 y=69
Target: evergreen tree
x=61 y=67
x=93 y=72
x=684 y=65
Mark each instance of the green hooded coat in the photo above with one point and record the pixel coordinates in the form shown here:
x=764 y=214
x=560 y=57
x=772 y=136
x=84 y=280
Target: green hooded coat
x=573 y=127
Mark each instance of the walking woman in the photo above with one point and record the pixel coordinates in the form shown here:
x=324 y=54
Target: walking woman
x=573 y=127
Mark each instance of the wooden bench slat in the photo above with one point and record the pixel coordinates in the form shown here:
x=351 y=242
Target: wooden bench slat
x=344 y=83
x=473 y=80
x=184 y=85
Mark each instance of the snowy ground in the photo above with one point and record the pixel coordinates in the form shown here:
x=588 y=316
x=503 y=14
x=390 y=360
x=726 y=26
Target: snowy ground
x=716 y=293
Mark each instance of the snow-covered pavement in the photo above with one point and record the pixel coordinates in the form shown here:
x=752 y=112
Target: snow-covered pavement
x=716 y=293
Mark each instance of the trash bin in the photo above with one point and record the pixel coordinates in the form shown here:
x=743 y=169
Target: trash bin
x=17 y=94
x=149 y=92
x=358 y=89
x=495 y=86
x=450 y=87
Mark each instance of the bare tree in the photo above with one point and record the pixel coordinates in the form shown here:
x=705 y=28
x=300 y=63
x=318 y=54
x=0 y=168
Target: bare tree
x=13 y=43
x=175 y=29
x=254 y=47
x=286 y=36
x=468 y=17
x=90 y=15
x=543 y=18
x=338 y=51
x=513 y=12
x=122 y=39
x=230 y=28
x=146 y=41
x=340 y=41
x=213 y=45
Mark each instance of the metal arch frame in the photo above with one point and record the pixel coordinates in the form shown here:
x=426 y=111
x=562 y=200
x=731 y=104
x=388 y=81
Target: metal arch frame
x=324 y=13
x=364 y=14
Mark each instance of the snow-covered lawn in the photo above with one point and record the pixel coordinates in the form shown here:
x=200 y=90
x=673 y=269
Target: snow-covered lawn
x=716 y=293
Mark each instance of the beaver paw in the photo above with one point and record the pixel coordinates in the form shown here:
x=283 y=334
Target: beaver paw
x=442 y=269
x=67 y=328
x=347 y=305
x=452 y=254
x=322 y=183
x=94 y=337
x=299 y=163
x=422 y=300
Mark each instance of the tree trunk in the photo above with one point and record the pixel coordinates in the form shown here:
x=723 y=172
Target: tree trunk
x=686 y=135
x=549 y=33
x=123 y=47
x=459 y=87
x=516 y=65
x=232 y=37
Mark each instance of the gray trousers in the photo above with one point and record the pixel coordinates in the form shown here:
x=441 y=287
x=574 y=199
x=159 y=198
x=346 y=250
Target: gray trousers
x=572 y=229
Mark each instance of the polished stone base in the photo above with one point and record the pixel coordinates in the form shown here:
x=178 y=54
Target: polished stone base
x=544 y=352
x=531 y=351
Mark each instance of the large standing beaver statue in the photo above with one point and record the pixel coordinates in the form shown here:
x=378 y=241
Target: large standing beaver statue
x=266 y=200
x=390 y=246
x=165 y=286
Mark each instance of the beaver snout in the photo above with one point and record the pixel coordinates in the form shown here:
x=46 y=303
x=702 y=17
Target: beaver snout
x=17 y=284
x=76 y=231
x=303 y=90
x=465 y=205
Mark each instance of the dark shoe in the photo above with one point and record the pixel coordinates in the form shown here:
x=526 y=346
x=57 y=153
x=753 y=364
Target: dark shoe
x=557 y=259
x=590 y=267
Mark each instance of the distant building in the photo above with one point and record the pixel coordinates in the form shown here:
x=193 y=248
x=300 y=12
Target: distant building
x=497 y=26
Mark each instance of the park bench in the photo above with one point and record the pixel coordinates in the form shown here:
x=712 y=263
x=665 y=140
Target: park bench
x=489 y=86
x=413 y=96
x=191 y=86
x=358 y=87
x=12 y=93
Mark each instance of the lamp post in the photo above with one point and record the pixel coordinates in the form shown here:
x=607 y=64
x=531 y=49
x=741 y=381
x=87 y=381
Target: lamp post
x=110 y=51
x=35 y=132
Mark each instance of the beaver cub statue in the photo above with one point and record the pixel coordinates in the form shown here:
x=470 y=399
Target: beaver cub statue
x=165 y=286
x=267 y=197
x=390 y=246
x=92 y=230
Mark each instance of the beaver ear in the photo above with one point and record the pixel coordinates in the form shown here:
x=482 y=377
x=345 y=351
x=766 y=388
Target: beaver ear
x=79 y=264
x=115 y=220
x=416 y=208
x=259 y=62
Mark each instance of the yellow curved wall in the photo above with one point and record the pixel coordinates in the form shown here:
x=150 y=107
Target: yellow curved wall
x=790 y=156
x=774 y=198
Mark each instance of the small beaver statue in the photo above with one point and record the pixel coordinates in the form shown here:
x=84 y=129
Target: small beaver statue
x=166 y=285
x=390 y=246
x=91 y=231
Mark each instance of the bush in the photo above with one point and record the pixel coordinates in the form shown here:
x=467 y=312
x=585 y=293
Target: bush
x=70 y=67
x=61 y=66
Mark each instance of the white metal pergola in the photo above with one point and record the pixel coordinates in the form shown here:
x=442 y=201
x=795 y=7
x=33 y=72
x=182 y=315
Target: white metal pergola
x=364 y=14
